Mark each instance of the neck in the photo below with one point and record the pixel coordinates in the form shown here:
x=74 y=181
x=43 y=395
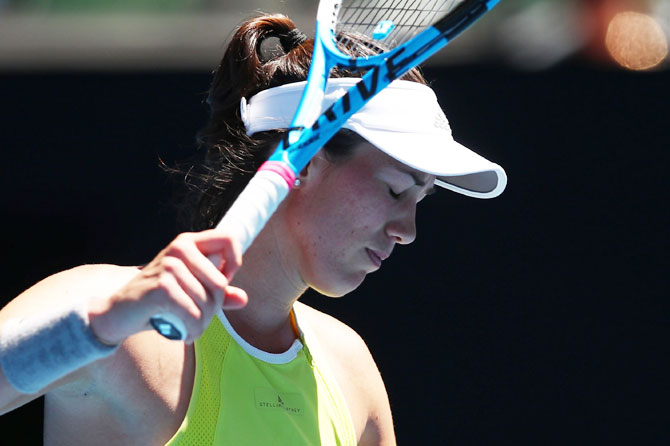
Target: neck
x=273 y=286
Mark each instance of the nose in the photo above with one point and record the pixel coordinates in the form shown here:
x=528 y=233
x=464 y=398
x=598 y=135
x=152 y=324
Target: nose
x=402 y=227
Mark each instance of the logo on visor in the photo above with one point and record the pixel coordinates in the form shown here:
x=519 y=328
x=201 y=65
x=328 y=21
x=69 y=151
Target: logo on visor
x=441 y=122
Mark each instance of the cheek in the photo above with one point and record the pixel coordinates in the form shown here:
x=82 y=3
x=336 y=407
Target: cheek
x=338 y=225
x=349 y=209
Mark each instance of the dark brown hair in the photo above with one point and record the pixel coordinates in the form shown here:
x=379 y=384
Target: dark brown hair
x=264 y=52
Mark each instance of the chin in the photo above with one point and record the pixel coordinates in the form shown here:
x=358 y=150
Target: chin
x=340 y=288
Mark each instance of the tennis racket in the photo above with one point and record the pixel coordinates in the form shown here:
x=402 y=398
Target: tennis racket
x=410 y=30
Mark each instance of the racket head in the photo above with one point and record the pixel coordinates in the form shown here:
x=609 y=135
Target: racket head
x=358 y=34
x=363 y=36
x=387 y=24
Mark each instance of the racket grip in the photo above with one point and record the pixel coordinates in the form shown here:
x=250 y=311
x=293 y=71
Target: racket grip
x=244 y=221
x=255 y=205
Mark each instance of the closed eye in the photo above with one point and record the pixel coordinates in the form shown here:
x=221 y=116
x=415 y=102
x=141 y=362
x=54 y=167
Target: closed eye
x=394 y=195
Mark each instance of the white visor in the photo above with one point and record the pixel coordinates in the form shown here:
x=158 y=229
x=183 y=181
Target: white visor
x=403 y=120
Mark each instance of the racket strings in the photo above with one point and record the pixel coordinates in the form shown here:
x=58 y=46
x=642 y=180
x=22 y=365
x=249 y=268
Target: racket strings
x=406 y=18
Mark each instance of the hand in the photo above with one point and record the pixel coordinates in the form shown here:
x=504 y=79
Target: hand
x=181 y=280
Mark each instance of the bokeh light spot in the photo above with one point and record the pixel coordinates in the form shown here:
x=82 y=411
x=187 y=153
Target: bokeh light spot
x=636 y=41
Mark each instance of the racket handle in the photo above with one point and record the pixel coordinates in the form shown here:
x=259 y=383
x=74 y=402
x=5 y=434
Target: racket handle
x=244 y=221
x=255 y=205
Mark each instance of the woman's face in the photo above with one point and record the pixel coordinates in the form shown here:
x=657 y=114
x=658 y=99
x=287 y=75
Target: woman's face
x=346 y=217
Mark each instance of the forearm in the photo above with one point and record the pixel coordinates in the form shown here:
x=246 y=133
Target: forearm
x=39 y=349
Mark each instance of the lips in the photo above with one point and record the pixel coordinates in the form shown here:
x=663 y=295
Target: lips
x=377 y=257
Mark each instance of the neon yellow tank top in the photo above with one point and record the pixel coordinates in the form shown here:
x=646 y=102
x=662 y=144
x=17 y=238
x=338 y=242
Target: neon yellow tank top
x=245 y=396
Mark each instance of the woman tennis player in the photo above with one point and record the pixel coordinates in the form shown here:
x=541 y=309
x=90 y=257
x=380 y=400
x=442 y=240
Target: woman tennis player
x=258 y=367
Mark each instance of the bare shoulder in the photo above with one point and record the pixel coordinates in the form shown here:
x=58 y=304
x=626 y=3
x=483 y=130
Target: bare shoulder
x=335 y=335
x=357 y=375
x=80 y=282
x=345 y=348
x=102 y=277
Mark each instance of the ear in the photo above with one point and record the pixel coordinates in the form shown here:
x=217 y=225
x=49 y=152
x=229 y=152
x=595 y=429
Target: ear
x=316 y=167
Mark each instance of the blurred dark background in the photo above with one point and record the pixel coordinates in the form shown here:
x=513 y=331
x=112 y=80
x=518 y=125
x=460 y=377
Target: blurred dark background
x=539 y=317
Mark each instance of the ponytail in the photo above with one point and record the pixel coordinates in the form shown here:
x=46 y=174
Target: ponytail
x=264 y=52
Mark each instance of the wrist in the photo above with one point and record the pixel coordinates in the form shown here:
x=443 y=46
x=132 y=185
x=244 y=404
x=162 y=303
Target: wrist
x=99 y=324
x=38 y=350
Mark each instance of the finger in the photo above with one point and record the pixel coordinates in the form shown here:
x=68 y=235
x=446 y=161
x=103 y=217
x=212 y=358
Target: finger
x=185 y=248
x=236 y=298
x=197 y=267
x=215 y=241
x=193 y=287
x=173 y=299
